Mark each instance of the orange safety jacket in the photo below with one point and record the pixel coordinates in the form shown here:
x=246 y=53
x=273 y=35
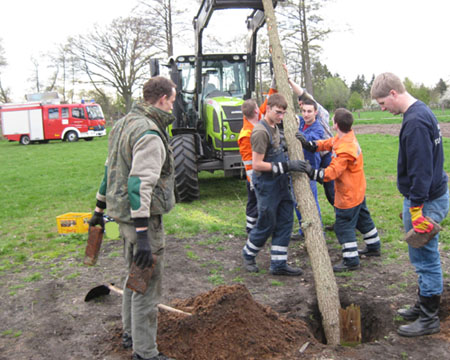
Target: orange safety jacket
x=245 y=146
x=346 y=169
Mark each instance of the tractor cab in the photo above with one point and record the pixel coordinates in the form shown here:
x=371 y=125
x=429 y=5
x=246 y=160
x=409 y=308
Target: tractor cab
x=214 y=111
x=224 y=77
x=211 y=89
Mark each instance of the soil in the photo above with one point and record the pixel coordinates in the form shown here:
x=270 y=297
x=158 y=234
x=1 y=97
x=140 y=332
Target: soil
x=235 y=314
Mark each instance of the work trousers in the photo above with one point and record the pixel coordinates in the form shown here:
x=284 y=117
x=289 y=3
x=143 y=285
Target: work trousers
x=347 y=220
x=426 y=260
x=139 y=311
x=328 y=186
x=251 y=210
x=275 y=218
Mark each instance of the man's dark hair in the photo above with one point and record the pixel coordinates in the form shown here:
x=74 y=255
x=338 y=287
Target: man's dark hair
x=277 y=100
x=157 y=87
x=309 y=101
x=248 y=107
x=344 y=119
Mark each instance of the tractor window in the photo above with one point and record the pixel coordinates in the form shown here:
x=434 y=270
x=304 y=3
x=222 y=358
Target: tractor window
x=228 y=77
x=78 y=113
x=188 y=76
x=222 y=77
x=53 y=113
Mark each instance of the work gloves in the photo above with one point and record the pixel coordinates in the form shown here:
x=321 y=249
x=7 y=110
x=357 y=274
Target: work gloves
x=419 y=222
x=279 y=168
x=314 y=174
x=97 y=219
x=310 y=146
x=143 y=257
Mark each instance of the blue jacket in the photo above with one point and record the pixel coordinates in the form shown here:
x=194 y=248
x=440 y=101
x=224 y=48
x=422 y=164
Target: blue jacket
x=313 y=132
x=420 y=167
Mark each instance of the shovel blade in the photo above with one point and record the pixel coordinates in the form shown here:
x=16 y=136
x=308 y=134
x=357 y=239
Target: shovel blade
x=97 y=292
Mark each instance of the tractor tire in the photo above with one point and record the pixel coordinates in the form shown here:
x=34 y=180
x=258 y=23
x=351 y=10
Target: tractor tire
x=185 y=161
x=25 y=140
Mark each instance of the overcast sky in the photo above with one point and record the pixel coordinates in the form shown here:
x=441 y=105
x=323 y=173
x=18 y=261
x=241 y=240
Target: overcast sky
x=407 y=37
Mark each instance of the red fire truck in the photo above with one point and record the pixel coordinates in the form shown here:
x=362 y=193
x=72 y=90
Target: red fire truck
x=39 y=122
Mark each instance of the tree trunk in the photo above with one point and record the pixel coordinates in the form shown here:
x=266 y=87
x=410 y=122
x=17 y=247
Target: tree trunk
x=325 y=282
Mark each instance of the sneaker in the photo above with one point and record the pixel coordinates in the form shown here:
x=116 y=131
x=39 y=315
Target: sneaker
x=160 y=356
x=250 y=265
x=127 y=341
x=286 y=270
x=341 y=267
x=367 y=252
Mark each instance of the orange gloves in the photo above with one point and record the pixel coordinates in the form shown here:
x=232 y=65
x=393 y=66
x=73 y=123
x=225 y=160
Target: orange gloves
x=419 y=222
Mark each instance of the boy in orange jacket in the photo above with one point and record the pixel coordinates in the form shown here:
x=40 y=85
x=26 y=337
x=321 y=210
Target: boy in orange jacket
x=252 y=115
x=347 y=171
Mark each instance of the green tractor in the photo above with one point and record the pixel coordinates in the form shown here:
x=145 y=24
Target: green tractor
x=210 y=91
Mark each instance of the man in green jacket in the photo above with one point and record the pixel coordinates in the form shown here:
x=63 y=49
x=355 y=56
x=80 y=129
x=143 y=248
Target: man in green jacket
x=137 y=189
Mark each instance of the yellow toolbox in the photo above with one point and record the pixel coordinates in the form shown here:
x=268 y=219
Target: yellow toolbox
x=73 y=223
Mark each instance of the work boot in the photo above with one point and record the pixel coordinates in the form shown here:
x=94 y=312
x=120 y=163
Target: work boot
x=411 y=313
x=127 y=341
x=367 y=252
x=160 y=356
x=286 y=270
x=297 y=237
x=428 y=321
x=341 y=267
x=250 y=265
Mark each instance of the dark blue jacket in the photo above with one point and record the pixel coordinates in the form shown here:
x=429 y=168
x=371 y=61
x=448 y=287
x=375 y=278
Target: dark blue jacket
x=420 y=167
x=313 y=132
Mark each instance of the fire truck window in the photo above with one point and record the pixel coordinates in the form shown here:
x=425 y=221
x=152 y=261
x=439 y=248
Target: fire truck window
x=65 y=113
x=78 y=113
x=53 y=113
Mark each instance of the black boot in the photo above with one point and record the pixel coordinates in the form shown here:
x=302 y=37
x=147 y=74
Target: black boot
x=413 y=312
x=127 y=341
x=428 y=321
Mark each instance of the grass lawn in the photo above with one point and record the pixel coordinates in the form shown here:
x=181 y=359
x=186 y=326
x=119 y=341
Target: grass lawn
x=385 y=117
x=39 y=182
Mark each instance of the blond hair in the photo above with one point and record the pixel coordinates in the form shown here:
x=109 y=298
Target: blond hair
x=384 y=83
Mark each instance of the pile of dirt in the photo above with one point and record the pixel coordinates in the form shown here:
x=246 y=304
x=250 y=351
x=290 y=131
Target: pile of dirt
x=226 y=323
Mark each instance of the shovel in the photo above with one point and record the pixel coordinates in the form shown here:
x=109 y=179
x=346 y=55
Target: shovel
x=106 y=289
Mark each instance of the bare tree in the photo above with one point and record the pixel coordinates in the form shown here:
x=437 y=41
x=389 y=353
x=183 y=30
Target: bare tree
x=65 y=62
x=118 y=56
x=169 y=18
x=35 y=77
x=301 y=26
x=4 y=92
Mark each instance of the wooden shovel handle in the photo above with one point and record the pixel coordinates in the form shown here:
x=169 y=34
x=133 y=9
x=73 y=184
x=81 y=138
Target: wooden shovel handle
x=171 y=309
x=160 y=306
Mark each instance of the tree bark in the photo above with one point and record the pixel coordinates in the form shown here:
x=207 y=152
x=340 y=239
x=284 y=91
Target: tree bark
x=325 y=282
